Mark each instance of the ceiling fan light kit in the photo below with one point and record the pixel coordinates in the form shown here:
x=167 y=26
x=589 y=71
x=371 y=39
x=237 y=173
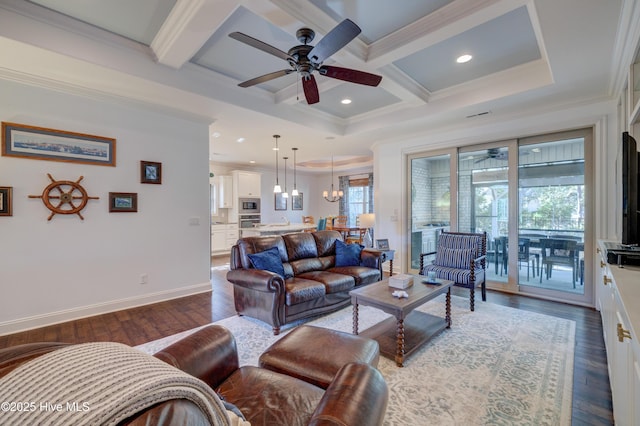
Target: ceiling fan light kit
x=305 y=59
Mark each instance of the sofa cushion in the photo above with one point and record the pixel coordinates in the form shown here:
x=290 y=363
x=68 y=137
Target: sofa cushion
x=299 y=290
x=300 y=245
x=325 y=242
x=333 y=282
x=454 y=258
x=268 y=260
x=347 y=254
x=361 y=274
x=266 y=397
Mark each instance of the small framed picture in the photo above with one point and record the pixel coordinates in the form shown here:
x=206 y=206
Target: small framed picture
x=296 y=201
x=150 y=172
x=6 y=201
x=123 y=202
x=382 y=244
x=280 y=202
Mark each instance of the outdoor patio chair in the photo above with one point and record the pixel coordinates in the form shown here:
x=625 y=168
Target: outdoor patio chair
x=460 y=257
x=557 y=252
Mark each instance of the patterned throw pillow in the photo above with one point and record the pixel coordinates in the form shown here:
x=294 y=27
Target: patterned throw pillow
x=347 y=254
x=268 y=260
x=454 y=258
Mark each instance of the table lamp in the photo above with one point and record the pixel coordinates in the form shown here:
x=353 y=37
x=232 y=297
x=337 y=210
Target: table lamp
x=368 y=221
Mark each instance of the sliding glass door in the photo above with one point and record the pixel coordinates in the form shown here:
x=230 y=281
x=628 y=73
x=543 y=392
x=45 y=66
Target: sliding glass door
x=532 y=198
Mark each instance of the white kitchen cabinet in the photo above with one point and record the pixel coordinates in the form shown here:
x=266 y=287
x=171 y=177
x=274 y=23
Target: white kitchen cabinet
x=246 y=184
x=223 y=237
x=224 y=188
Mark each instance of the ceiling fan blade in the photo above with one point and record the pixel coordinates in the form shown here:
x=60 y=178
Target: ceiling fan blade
x=261 y=45
x=310 y=90
x=353 y=76
x=265 y=78
x=335 y=40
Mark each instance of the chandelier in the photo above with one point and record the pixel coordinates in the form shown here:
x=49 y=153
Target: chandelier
x=335 y=195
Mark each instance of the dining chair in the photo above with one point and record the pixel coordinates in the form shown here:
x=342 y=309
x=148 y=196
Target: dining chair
x=322 y=224
x=310 y=220
x=526 y=255
x=558 y=252
x=340 y=221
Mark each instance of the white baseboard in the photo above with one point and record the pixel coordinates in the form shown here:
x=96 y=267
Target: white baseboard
x=36 y=321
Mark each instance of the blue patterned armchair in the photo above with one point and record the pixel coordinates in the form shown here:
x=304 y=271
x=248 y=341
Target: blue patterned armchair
x=461 y=258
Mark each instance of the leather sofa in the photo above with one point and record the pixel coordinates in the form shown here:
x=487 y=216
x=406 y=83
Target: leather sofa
x=357 y=395
x=314 y=280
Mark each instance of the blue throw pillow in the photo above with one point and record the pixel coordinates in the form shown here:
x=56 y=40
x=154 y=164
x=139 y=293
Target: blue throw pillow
x=268 y=260
x=347 y=254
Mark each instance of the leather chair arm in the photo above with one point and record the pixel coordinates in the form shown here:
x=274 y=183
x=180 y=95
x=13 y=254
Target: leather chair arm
x=357 y=396
x=371 y=258
x=257 y=279
x=209 y=354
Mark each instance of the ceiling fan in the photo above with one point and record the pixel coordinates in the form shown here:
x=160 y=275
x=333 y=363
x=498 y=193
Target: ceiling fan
x=305 y=59
x=498 y=154
x=494 y=153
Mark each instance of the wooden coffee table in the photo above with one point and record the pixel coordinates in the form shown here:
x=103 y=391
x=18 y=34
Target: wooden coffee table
x=398 y=337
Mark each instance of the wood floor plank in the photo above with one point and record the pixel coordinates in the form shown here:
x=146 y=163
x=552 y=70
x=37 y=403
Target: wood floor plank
x=591 y=401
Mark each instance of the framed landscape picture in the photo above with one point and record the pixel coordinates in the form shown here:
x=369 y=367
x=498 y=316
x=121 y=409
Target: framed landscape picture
x=6 y=201
x=150 y=172
x=280 y=202
x=382 y=244
x=296 y=201
x=123 y=202
x=39 y=143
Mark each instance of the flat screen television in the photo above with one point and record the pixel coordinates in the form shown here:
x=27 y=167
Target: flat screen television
x=630 y=213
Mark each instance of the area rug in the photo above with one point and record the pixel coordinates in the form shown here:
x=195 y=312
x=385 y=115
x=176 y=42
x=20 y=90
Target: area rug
x=495 y=366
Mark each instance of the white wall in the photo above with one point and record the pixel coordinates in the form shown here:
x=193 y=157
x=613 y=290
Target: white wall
x=390 y=168
x=67 y=267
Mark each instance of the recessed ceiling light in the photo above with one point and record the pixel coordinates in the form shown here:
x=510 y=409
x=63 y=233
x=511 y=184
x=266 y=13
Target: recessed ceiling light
x=345 y=101
x=535 y=150
x=240 y=140
x=215 y=134
x=252 y=161
x=463 y=58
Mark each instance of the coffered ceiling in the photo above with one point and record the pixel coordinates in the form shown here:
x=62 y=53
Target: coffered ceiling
x=178 y=55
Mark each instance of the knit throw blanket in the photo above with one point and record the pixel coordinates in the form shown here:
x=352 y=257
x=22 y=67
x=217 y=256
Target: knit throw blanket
x=98 y=384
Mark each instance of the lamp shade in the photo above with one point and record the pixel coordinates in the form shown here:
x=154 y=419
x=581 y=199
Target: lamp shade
x=367 y=220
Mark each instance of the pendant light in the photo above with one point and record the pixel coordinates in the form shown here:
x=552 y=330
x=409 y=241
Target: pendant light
x=276 y=188
x=294 y=192
x=335 y=195
x=285 y=194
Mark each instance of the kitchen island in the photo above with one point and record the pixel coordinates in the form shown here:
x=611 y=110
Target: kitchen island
x=275 y=229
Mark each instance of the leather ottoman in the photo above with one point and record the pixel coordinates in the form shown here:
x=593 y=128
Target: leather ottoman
x=315 y=354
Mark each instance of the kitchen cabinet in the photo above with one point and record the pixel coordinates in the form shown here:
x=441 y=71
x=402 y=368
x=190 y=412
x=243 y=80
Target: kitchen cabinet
x=224 y=191
x=246 y=184
x=223 y=237
x=617 y=291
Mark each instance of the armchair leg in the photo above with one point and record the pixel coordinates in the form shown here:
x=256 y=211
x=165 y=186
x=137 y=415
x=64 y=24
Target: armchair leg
x=484 y=291
x=472 y=297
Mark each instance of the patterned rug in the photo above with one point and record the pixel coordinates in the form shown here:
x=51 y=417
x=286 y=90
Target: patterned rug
x=495 y=366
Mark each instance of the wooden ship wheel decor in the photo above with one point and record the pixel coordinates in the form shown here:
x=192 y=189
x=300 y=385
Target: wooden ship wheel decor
x=64 y=197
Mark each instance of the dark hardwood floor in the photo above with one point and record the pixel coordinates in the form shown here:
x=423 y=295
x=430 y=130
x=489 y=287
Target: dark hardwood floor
x=592 y=403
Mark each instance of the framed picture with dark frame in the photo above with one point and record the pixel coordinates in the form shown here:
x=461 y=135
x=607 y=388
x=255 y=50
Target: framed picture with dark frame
x=6 y=202
x=150 y=172
x=279 y=201
x=296 y=201
x=382 y=244
x=123 y=202
x=40 y=143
